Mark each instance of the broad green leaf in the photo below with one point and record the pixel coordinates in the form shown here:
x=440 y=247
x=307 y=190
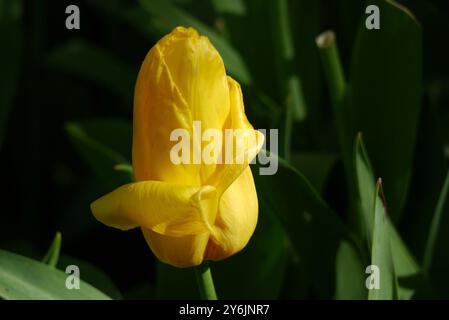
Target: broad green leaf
x=52 y=256
x=166 y=16
x=385 y=97
x=92 y=275
x=23 y=278
x=10 y=57
x=103 y=144
x=313 y=229
x=381 y=257
x=349 y=273
x=83 y=59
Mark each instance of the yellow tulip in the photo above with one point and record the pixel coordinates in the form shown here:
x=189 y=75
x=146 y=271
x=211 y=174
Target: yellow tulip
x=188 y=212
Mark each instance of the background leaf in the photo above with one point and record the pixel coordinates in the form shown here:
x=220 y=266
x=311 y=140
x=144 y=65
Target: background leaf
x=103 y=144
x=83 y=59
x=385 y=97
x=310 y=224
x=23 y=278
x=381 y=252
x=406 y=267
x=52 y=256
x=92 y=275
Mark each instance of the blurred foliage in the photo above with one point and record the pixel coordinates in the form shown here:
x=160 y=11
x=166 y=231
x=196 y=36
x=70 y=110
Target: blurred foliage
x=66 y=134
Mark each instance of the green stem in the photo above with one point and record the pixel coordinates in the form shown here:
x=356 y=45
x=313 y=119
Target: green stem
x=290 y=83
x=332 y=66
x=205 y=282
x=336 y=83
x=433 y=233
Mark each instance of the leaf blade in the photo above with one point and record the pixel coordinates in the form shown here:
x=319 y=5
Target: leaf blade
x=24 y=278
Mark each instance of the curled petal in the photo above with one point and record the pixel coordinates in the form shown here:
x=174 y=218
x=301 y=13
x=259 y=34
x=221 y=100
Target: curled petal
x=164 y=208
x=236 y=219
x=249 y=140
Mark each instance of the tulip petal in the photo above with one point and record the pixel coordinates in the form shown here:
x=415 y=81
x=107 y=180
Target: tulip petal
x=228 y=171
x=182 y=80
x=236 y=219
x=165 y=208
x=187 y=251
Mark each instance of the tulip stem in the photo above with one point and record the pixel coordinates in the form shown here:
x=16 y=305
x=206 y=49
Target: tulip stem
x=205 y=282
x=333 y=69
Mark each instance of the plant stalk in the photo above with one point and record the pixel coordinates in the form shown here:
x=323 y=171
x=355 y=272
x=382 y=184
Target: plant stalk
x=205 y=282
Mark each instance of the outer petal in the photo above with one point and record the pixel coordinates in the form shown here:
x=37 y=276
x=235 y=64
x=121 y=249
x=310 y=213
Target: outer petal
x=236 y=219
x=165 y=208
x=181 y=80
x=226 y=173
x=180 y=252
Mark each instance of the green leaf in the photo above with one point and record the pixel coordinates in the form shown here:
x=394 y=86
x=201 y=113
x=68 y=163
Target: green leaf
x=381 y=256
x=385 y=97
x=430 y=171
x=442 y=203
x=313 y=229
x=83 y=59
x=350 y=276
x=103 y=144
x=315 y=166
x=24 y=278
x=10 y=57
x=52 y=256
x=405 y=264
x=92 y=275
x=166 y=16
x=365 y=189
x=235 y=7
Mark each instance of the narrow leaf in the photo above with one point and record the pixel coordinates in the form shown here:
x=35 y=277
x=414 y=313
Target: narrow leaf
x=52 y=256
x=381 y=258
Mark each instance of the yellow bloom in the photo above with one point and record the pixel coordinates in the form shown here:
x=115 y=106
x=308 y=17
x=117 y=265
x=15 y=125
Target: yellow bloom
x=187 y=212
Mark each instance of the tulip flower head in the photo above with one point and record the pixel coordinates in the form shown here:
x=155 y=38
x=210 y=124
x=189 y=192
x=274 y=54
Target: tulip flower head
x=188 y=211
